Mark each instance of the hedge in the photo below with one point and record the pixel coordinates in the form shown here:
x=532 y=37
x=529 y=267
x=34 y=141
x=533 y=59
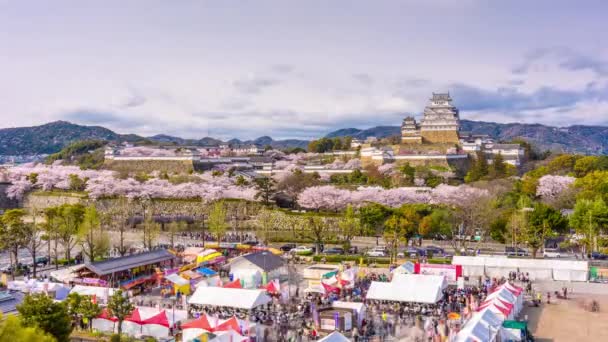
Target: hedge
x=368 y=260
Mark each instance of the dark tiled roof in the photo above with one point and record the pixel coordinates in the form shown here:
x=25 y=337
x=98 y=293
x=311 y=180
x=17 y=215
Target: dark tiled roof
x=130 y=261
x=265 y=260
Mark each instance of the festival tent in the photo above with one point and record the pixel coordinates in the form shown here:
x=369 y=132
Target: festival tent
x=59 y=290
x=228 y=336
x=507 y=296
x=273 y=287
x=101 y=293
x=234 y=298
x=235 y=284
x=193 y=329
x=179 y=284
x=104 y=322
x=206 y=271
x=478 y=329
x=156 y=326
x=190 y=253
x=173 y=316
x=132 y=324
x=358 y=308
x=334 y=337
x=67 y=274
x=498 y=308
x=207 y=256
x=537 y=269
x=416 y=288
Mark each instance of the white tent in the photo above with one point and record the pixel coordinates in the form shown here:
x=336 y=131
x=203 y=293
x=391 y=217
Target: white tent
x=483 y=326
x=416 y=288
x=173 y=316
x=101 y=293
x=67 y=274
x=234 y=298
x=176 y=279
x=358 y=308
x=537 y=269
x=229 y=336
x=334 y=337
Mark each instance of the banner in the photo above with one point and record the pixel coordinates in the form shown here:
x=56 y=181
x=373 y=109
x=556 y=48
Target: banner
x=451 y=272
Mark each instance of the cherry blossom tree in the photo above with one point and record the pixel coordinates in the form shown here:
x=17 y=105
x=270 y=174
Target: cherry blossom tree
x=550 y=186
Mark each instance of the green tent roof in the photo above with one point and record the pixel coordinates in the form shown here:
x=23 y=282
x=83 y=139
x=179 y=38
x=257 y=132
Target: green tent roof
x=515 y=325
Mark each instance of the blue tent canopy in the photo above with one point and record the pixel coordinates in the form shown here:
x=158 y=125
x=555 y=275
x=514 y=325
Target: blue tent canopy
x=206 y=271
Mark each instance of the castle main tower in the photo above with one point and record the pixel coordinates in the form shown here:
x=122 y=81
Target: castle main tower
x=441 y=121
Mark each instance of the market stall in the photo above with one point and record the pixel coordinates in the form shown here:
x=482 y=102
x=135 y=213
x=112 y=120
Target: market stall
x=179 y=284
x=334 y=337
x=101 y=294
x=227 y=297
x=256 y=269
x=130 y=272
x=415 y=288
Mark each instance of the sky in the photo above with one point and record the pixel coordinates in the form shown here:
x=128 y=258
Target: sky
x=299 y=69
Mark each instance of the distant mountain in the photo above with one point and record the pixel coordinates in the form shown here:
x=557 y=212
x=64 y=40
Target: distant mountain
x=52 y=137
x=579 y=139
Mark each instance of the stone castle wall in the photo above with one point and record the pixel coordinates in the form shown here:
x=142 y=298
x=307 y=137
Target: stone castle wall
x=440 y=137
x=148 y=166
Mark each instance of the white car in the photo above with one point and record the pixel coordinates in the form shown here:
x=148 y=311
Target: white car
x=551 y=253
x=377 y=252
x=301 y=249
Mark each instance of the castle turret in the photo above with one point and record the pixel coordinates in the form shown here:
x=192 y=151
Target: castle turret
x=410 y=133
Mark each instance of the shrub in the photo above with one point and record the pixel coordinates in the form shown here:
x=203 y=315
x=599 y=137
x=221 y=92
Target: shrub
x=309 y=253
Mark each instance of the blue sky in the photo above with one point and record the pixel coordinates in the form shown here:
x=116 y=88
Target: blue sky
x=299 y=68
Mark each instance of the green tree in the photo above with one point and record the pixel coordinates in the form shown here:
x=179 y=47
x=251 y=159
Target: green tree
x=39 y=310
x=76 y=183
x=89 y=310
x=70 y=221
x=395 y=234
x=590 y=218
x=543 y=222
x=175 y=228
x=593 y=184
x=11 y=329
x=13 y=234
x=265 y=223
x=32 y=177
x=315 y=229
x=241 y=181
x=120 y=307
x=479 y=169
x=349 y=225
x=498 y=168
x=265 y=188
x=372 y=218
x=217 y=220
x=52 y=229
x=94 y=240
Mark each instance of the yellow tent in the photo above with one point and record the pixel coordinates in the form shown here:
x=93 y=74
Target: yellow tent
x=179 y=284
x=206 y=257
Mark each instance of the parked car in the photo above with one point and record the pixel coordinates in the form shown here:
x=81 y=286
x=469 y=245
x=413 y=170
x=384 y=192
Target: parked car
x=515 y=251
x=551 y=253
x=302 y=249
x=598 y=256
x=353 y=250
x=251 y=243
x=414 y=252
x=40 y=261
x=287 y=247
x=377 y=252
x=334 y=250
x=436 y=251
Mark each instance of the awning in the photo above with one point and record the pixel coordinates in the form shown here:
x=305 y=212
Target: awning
x=235 y=298
x=206 y=271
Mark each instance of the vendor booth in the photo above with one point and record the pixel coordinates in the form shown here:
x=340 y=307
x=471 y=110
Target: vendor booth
x=131 y=271
x=357 y=309
x=100 y=293
x=256 y=269
x=179 y=284
x=227 y=297
x=335 y=319
x=54 y=290
x=537 y=269
x=334 y=337
x=415 y=288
